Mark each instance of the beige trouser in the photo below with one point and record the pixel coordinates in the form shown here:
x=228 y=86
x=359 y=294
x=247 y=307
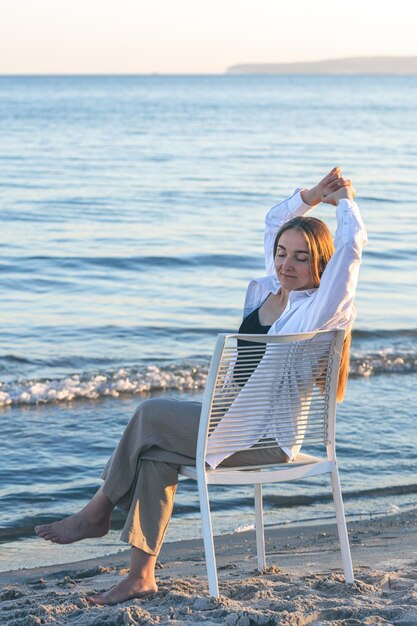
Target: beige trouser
x=141 y=476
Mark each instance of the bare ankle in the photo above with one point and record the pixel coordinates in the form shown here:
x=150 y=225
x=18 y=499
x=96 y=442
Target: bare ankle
x=142 y=580
x=95 y=513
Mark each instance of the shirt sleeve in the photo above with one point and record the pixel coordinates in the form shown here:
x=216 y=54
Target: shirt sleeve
x=334 y=305
x=275 y=218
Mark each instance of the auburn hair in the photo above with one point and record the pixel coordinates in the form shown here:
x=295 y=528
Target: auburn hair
x=321 y=248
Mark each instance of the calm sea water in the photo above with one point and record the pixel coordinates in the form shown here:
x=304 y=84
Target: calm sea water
x=131 y=221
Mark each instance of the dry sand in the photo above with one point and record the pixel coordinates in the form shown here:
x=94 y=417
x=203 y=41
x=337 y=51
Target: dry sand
x=303 y=583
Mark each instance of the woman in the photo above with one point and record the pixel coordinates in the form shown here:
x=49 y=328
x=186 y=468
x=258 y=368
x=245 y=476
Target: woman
x=310 y=285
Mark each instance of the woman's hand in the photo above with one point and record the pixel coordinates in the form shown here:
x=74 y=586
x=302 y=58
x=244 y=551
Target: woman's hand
x=329 y=184
x=346 y=192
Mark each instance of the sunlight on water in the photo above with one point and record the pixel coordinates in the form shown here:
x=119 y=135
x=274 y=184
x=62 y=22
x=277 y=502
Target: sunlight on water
x=131 y=222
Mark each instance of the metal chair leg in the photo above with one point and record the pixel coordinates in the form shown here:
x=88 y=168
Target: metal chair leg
x=341 y=526
x=259 y=526
x=208 y=539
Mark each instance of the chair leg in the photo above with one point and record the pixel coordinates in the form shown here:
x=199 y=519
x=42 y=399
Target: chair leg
x=208 y=538
x=259 y=526
x=341 y=526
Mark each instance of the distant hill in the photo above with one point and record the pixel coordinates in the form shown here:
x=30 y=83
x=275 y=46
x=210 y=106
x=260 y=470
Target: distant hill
x=354 y=65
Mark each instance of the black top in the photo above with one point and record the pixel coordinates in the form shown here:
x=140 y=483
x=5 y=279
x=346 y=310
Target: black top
x=252 y=326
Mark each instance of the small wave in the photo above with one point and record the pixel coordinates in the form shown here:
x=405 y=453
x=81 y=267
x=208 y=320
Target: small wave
x=245 y=528
x=14 y=358
x=392 y=255
x=21 y=527
x=383 y=200
x=112 y=383
x=131 y=263
x=386 y=361
x=385 y=333
x=136 y=380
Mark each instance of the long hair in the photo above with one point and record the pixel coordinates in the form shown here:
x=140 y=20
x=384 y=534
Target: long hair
x=321 y=248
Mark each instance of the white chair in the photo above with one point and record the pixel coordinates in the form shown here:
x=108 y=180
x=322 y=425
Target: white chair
x=264 y=389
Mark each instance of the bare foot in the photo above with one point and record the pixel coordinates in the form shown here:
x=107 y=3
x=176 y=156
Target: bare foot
x=127 y=589
x=74 y=528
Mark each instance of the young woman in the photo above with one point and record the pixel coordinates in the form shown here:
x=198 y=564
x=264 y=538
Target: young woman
x=310 y=285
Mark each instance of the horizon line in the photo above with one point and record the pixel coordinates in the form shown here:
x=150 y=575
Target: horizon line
x=195 y=74
x=226 y=71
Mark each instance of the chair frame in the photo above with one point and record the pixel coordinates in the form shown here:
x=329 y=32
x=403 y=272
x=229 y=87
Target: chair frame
x=303 y=467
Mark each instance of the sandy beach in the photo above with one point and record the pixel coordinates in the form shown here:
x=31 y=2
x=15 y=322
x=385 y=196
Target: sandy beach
x=133 y=221
x=302 y=585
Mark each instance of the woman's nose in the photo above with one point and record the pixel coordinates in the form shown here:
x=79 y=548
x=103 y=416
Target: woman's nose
x=287 y=263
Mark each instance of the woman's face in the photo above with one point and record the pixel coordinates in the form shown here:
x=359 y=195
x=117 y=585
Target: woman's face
x=292 y=261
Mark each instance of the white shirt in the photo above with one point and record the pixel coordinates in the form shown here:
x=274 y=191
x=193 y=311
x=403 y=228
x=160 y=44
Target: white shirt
x=331 y=305
x=327 y=307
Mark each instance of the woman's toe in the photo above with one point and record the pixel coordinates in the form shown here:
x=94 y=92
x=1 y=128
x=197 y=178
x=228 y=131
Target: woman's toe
x=94 y=600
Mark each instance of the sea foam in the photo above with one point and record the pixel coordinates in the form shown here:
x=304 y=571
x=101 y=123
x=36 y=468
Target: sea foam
x=113 y=383
x=138 y=380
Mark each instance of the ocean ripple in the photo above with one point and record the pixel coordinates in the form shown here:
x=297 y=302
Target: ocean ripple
x=140 y=379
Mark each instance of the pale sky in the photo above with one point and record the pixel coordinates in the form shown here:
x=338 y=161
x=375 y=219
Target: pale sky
x=195 y=36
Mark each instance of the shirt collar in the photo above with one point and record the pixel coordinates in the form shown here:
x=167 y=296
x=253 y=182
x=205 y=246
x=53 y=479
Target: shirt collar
x=302 y=293
x=274 y=286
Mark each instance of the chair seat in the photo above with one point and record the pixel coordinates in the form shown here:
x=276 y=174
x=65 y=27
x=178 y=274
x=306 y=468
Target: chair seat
x=304 y=465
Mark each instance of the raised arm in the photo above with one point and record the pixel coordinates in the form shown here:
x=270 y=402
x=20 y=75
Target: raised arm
x=334 y=306
x=275 y=218
x=300 y=203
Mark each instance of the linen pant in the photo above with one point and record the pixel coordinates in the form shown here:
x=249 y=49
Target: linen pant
x=141 y=476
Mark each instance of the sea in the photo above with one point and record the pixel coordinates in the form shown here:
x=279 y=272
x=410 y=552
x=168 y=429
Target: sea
x=131 y=220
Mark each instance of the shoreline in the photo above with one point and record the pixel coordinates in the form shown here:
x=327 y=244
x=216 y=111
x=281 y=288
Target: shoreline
x=303 y=583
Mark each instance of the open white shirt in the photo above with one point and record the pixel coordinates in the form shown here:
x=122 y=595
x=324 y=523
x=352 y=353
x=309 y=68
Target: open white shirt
x=327 y=307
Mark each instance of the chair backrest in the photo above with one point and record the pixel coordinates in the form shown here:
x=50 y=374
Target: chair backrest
x=266 y=391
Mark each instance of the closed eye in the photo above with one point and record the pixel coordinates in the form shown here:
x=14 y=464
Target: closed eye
x=300 y=259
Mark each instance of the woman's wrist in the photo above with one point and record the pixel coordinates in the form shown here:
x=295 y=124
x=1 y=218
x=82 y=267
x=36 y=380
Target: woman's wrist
x=345 y=193
x=311 y=196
